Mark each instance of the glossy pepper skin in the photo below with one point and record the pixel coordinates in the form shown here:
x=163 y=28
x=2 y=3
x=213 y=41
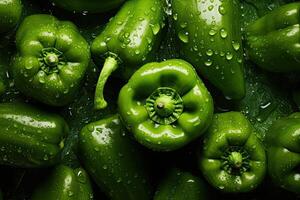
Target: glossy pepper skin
x=233 y=159
x=179 y=185
x=273 y=40
x=10 y=14
x=209 y=37
x=128 y=40
x=165 y=105
x=51 y=59
x=283 y=150
x=65 y=183
x=30 y=137
x=114 y=161
x=92 y=6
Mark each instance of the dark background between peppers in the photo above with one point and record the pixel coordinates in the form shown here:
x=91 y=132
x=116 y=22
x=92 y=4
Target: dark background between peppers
x=266 y=100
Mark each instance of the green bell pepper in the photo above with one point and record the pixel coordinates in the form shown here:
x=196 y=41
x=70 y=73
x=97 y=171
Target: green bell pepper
x=114 y=161
x=233 y=159
x=128 y=39
x=273 y=40
x=283 y=150
x=165 y=105
x=179 y=185
x=51 y=60
x=65 y=183
x=10 y=14
x=92 y=6
x=30 y=137
x=209 y=35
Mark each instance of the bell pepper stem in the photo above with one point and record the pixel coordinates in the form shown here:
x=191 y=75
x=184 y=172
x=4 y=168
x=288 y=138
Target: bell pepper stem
x=110 y=65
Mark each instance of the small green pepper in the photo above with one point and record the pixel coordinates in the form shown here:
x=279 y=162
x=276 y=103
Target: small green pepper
x=114 y=161
x=283 y=150
x=166 y=105
x=273 y=40
x=92 y=6
x=209 y=35
x=179 y=185
x=128 y=39
x=10 y=14
x=65 y=183
x=30 y=137
x=233 y=159
x=51 y=59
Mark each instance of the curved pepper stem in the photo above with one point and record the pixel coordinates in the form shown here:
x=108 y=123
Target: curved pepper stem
x=236 y=159
x=110 y=65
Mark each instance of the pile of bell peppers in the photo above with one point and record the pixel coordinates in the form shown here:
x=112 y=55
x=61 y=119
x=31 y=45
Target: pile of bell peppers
x=149 y=99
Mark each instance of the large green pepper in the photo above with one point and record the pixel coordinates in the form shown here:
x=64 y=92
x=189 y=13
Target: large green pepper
x=114 y=161
x=273 y=40
x=179 y=185
x=166 y=105
x=10 y=14
x=30 y=137
x=128 y=39
x=283 y=150
x=51 y=61
x=65 y=183
x=209 y=35
x=92 y=6
x=233 y=159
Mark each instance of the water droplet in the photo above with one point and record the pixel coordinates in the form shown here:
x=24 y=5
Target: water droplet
x=210 y=7
x=229 y=56
x=223 y=33
x=81 y=177
x=208 y=63
x=222 y=10
x=209 y=52
x=236 y=46
x=212 y=32
x=155 y=28
x=183 y=24
x=184 y=36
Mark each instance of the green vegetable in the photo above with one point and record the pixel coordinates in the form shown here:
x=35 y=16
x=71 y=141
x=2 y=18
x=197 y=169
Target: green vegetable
x=129 y=40
x=92 y=6
x=1 y=197
x=264 y=102
x=51 y=61
x=233 y=159
x=30 y=137
x=209 y=35
x=179 y=185
x=10 y=14
x=114 y=161
x=283 y=150
x=65 y=183
x=165 y=105
x=273 y=40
